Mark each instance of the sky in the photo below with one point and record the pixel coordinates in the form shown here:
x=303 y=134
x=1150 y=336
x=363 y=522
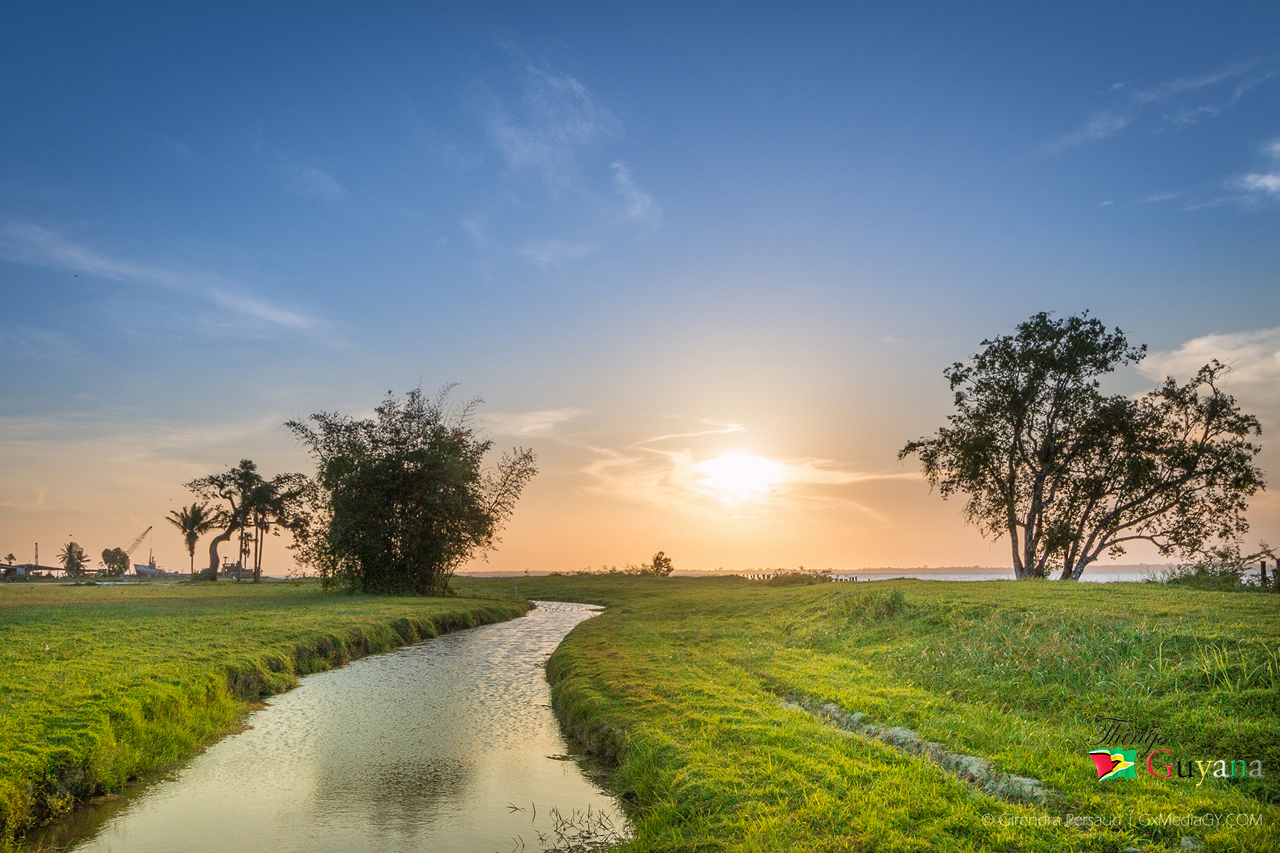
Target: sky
x=708 y=260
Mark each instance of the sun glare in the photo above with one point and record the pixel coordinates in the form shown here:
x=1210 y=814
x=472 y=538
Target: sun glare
x=739 y=477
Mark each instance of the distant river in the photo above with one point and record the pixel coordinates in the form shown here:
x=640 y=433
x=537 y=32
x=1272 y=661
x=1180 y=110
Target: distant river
x=1102 y=575
x=447 y=745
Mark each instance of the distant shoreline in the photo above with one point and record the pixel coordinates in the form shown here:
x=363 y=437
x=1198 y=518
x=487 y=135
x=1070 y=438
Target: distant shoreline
x=1127 y=571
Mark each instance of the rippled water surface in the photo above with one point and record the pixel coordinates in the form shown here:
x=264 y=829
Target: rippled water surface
x=422 y=749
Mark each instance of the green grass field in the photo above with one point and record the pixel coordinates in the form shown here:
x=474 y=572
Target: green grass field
x=736 y=715
x=99 y=684
x=707 y=697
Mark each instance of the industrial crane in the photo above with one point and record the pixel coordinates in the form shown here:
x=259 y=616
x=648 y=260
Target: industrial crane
x=133 y=545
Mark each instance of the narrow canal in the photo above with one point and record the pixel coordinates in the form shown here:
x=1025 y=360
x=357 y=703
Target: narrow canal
x=447 y=745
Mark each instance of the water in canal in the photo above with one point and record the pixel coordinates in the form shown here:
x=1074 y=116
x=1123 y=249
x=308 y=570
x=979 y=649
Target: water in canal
x=447 y=745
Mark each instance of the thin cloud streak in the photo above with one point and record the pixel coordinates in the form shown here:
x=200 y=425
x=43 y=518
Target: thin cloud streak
x=37 y=246
x=550 y=254
x=1099 y=126
x=312 y=182
x=298 y=177
x=1133 y=102
x=640 y=205
x=542 y=423
x=29 y=342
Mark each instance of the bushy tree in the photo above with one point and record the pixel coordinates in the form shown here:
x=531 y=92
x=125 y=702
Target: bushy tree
x=1068 y=473
x=116 y=561
x=660 y=565
x=403 y=499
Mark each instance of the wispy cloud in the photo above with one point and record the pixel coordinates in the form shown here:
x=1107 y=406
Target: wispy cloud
x=1101 y=125
x=1268 y=183
x=551 y=253
x=28 y=342
x=246 y=304
x=1175 y=103
x=562 y=191
x=477 y=227
x=544 y=130
x=298 y=176
x=311 y=182
x=1254 y=359
x=544 y=422
x=1264 y=184
x=640 y=206
x=38 y=246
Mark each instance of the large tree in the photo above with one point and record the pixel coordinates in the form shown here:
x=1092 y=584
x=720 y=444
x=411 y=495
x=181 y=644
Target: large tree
x=1068 y=473
x=116 y=560
x=403 y=498
x=248 y=499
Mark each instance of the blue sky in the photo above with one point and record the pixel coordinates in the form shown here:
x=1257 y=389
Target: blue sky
x=646 y=236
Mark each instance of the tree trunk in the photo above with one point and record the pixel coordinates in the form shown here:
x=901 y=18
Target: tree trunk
x=1074 y=573
x=211 y=573
x=260 y=529
x=1019 y=568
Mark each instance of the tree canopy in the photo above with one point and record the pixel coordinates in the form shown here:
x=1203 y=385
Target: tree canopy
x=402 y=499
x=116 y=560
x=1069 y=473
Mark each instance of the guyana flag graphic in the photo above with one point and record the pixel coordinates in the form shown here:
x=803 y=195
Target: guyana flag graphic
x=1114 y=763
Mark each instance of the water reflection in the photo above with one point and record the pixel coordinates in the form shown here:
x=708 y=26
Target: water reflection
x=421 y=749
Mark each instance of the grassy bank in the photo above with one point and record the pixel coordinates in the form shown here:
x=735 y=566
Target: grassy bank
x=744 y=717
x=99 y=684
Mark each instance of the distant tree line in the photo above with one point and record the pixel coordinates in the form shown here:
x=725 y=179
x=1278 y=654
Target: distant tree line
x=660 y=565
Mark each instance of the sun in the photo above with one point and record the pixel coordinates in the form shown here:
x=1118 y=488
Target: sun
x=737 y=477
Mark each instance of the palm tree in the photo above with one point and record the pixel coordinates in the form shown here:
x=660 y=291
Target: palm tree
x=74 y=559
x=275 y=503
x=193 y=522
